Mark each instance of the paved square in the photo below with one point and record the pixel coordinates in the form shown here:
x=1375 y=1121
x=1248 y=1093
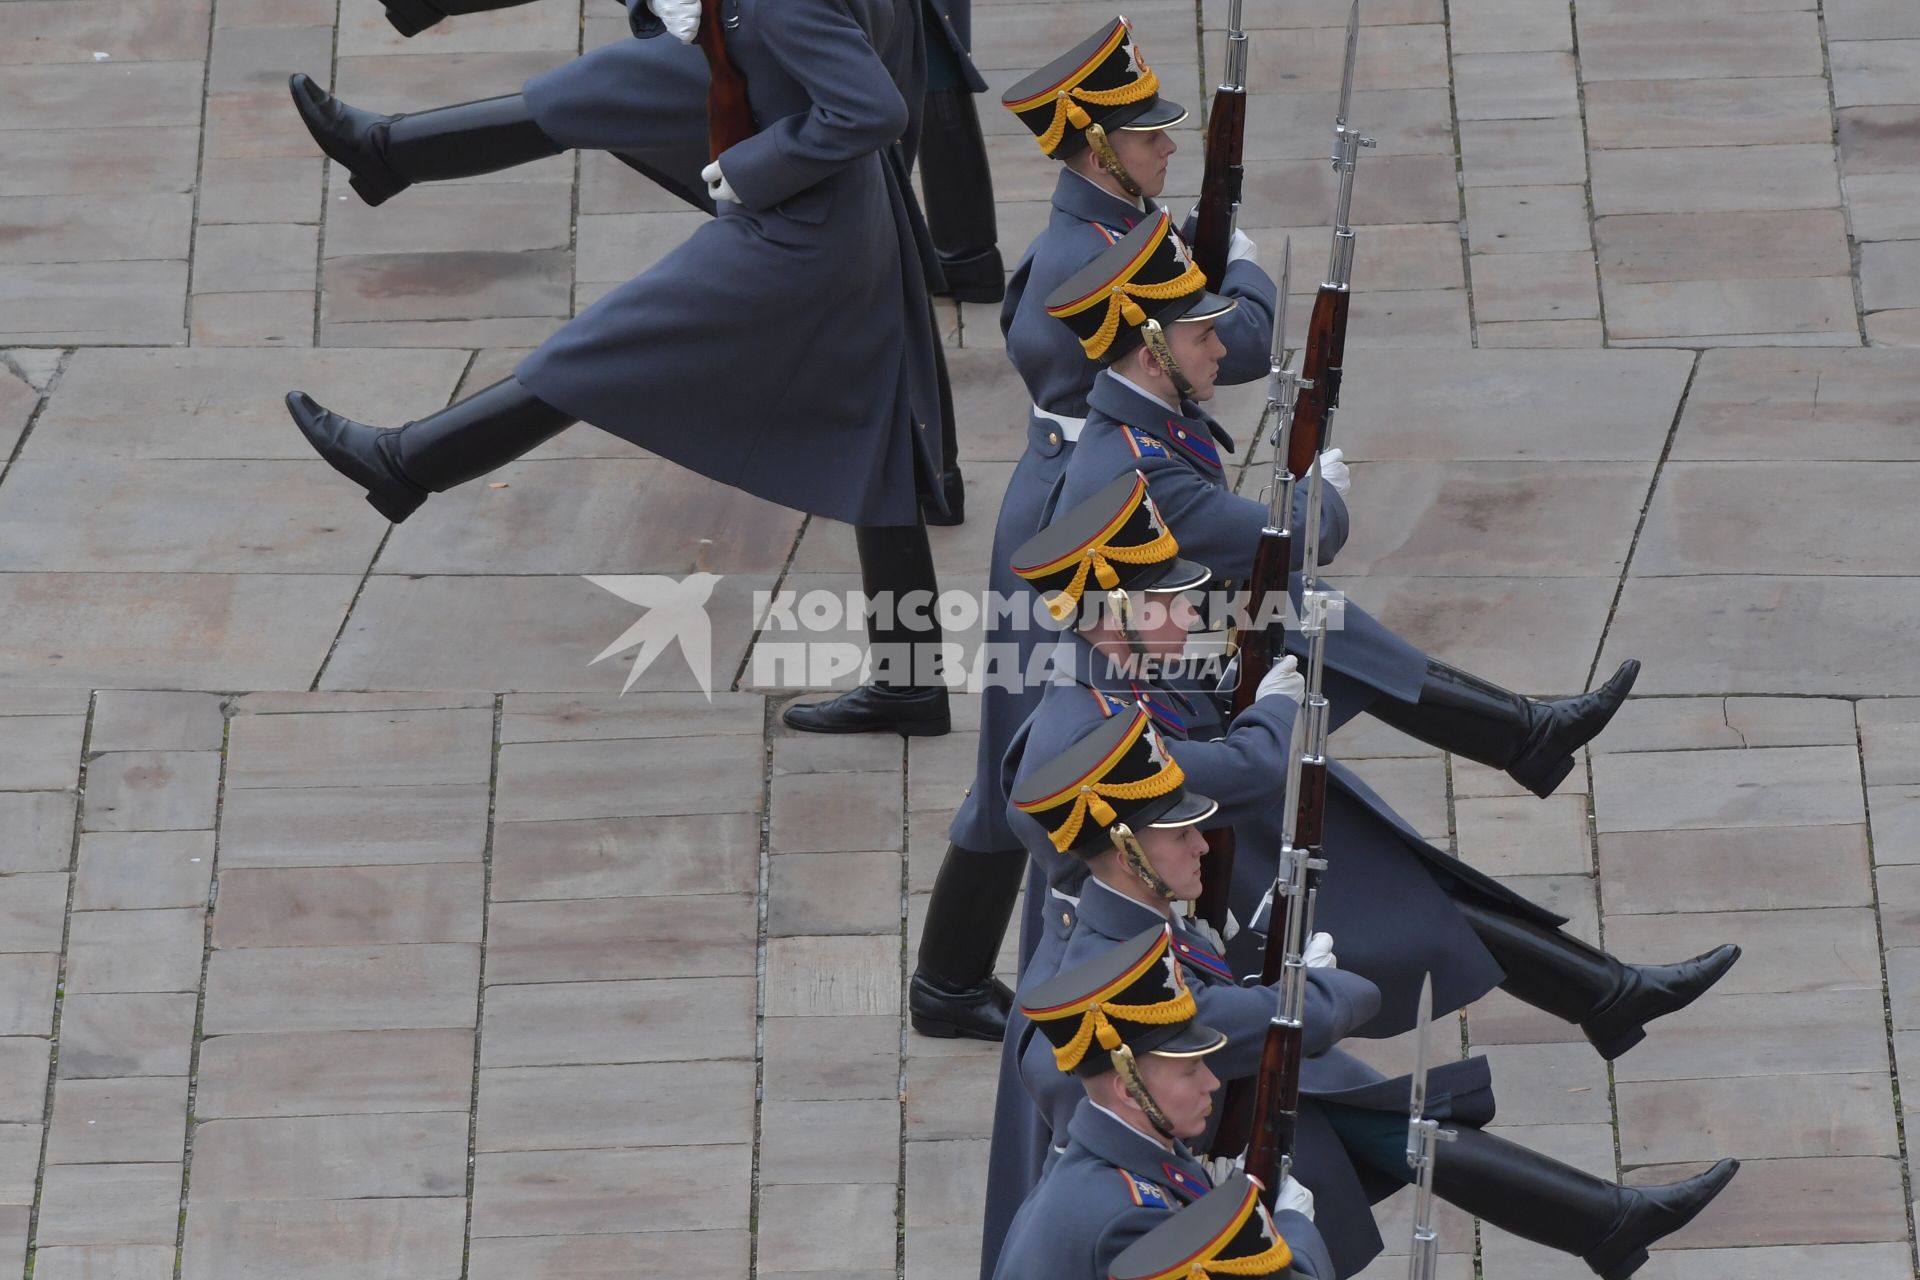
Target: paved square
x=353 y=924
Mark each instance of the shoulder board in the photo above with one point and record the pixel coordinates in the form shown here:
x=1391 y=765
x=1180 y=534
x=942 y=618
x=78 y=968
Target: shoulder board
x=1109 y=706
x=1203 y=958
x=1196 y=444
x=1146 y=1194
x=1162 y=711
x=1145 y=444
x=1185 y=1183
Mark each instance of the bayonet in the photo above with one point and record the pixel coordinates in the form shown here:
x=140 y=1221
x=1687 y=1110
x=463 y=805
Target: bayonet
x=1423 y=1135
x=1347 y=142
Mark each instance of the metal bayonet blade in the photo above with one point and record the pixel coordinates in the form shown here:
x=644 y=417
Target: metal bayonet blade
x=1423 y=1044
x=1353 y=48
x=1280 y=310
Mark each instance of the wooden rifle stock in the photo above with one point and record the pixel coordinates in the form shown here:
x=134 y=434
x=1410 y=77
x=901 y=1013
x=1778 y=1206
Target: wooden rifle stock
x=729 y=115
x=1257 y=652
x=1276 y=1108
x=1220 y=182
x=1325 y=352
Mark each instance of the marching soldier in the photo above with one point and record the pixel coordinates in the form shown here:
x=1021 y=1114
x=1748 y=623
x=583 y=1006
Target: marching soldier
x=1124 y=1025
x=1098 y=109
x=815 y=236
x=1404 y=908
x=1118 y=800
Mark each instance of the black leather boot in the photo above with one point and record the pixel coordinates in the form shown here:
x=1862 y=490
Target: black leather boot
x=411 y=17
x=894 y=560
x=399 y=468
x=954 y=992
x=387 y=154
x=959 y=191
x=952 y=486
x=1533 y=741
x=1612 y=1002
x=1539 y=1199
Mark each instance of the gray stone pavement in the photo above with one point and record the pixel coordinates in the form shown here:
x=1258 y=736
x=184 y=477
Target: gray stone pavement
x=353 y=924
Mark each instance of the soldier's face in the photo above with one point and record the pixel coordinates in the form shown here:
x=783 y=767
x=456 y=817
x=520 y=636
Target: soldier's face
x=1162 y=620
x=1183 y=1088
x=1197 y=349
x=1144 y=155
x=1175 y=854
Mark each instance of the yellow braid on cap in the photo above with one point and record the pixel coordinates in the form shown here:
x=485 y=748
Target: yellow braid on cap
x=1121 y=306
x=1093 y=800
x=1068 y=111
x=1096 y=1023
x=1099 y=562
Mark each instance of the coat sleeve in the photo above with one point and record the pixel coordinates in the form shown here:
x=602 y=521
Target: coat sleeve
x=1247 y=330
x=1311 y=1261
x=856 y=107
x=1221 y=529
x=1245 y=772
x=1334 y=1008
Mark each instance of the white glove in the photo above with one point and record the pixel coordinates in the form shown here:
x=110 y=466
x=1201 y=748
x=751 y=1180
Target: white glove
x=682 y=17
x=1318 y=953
x=1295 y=1197
x=1242 y=247
x=719 y=189
x=1284 y=680
x=1333 y=469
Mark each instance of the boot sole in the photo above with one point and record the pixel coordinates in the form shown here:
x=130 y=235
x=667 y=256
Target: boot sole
x=1545 y=784
x=940 y=1029
x=1626 y=1266
x=1618 y=1043
x=374 y=191
x=929 y=729
x=410 y=18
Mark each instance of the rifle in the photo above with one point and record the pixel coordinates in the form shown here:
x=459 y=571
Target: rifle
x=1226 y=137
x=1423 y=1136
x=1327 y=331
x=1273 y=1112
x=1257 y=646
x=729 y=115
x=1276 y=1092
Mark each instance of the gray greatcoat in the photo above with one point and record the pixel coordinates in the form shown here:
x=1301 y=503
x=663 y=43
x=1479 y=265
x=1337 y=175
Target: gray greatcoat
x=1085 y=221
x=810 y=275
x=1112 y=1186
x=1343 y=1191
